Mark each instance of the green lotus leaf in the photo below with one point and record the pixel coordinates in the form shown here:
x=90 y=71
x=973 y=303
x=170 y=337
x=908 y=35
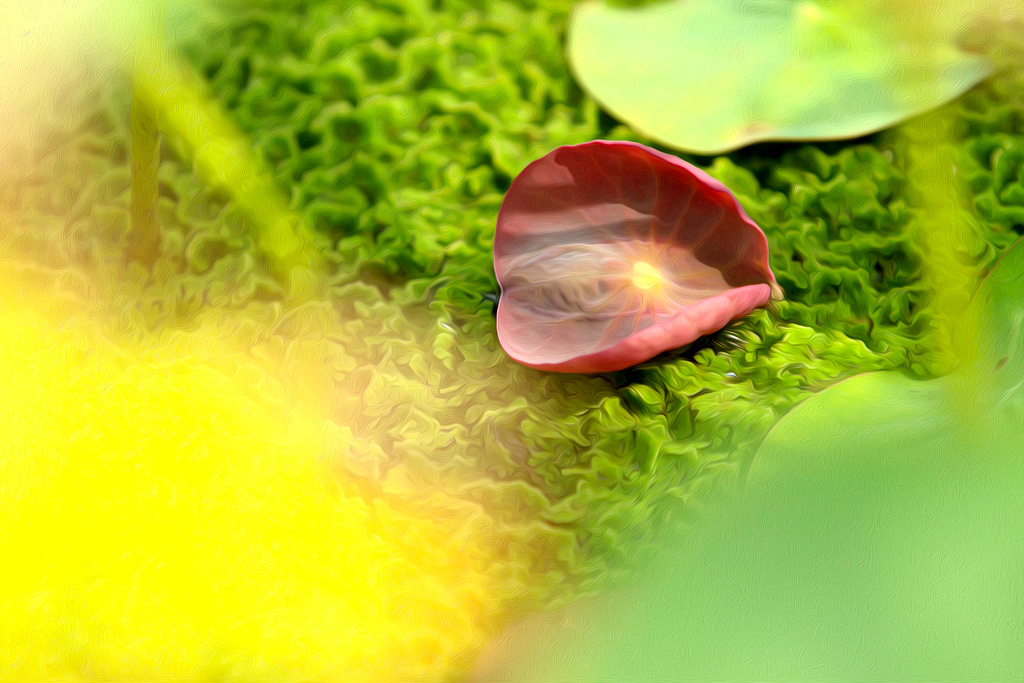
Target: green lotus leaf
x=709 y=76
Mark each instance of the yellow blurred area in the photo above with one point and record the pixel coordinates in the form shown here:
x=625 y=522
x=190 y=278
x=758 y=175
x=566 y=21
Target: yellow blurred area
x=164 y=515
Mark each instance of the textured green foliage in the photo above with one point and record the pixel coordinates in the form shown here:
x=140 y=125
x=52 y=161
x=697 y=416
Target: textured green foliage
x=394 y=129
x=992 y=122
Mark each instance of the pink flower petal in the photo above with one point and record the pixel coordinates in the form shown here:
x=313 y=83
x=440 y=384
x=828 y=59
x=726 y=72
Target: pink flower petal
x=609 y=253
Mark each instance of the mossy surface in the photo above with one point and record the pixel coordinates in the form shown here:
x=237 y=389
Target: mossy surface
x=393 y=128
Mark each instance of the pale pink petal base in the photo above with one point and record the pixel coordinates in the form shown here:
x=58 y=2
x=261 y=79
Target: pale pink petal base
x=689 y=325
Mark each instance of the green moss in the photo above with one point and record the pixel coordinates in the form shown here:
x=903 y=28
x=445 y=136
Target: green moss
x=394 y=127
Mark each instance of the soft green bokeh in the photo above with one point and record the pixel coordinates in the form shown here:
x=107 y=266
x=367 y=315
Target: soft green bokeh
x=708 y=76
